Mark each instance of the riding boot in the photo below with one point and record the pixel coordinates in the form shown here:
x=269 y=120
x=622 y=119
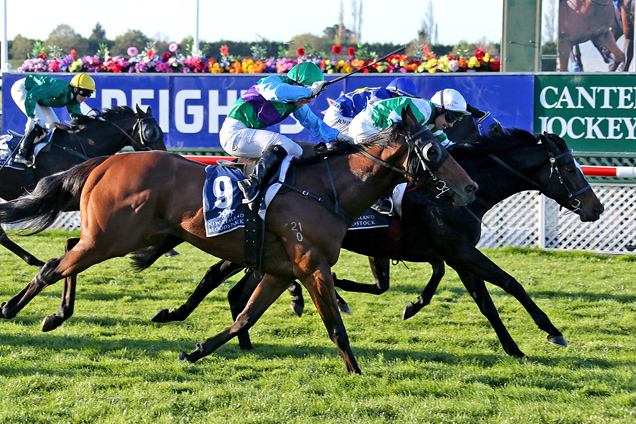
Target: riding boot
x=25 y=147
x=270 y=159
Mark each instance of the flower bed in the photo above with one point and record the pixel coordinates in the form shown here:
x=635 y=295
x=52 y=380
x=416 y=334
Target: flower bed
x=149 y=60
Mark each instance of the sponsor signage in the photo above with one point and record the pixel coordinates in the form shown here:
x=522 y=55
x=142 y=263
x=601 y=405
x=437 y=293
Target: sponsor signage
x=191 y=108
x=591 y=112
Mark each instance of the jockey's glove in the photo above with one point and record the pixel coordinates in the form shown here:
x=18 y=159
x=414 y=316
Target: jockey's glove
x=317 y=87
x=344 y=138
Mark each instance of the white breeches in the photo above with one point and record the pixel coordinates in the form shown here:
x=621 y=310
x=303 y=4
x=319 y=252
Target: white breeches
x=361 y=128
x=44 y=114
x=237 y=139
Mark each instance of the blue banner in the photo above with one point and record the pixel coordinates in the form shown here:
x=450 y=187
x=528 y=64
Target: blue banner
x=191 y=107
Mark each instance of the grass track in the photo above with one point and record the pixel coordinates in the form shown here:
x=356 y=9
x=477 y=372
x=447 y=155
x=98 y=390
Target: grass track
x=110 y=364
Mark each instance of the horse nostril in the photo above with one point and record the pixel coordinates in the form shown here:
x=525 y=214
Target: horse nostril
x=471 y=188
x=599 y=209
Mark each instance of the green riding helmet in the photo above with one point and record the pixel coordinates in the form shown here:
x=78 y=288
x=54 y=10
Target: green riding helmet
x=306 y=73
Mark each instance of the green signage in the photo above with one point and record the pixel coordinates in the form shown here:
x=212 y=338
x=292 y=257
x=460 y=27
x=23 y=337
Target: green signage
x=591 y=112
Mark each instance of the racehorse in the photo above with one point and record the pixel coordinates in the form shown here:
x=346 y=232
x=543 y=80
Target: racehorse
x=131 y=201
x=503 y=163
x=585 y=20
x=88 y=137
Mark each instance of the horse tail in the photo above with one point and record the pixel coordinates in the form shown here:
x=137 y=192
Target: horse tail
x=53 y=194
x=147 y=256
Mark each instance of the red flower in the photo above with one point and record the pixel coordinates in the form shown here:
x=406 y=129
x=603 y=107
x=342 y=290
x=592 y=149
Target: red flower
x=73 y=53
x=41 y=56
x=224 y=51
x=351 y=51
x=151 y=53
x=166 y=56
x=336 y=49
x=480 y=53
x=300 y=52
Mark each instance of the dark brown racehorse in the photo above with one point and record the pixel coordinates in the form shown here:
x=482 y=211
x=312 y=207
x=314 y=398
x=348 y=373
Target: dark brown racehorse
x=135 y=200
x=88 y=137
x=585 y=20
x=503 y=163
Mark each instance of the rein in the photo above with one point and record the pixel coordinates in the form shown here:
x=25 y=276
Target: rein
x=573 y=202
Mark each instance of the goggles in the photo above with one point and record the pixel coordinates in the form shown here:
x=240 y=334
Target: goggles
x=85 y=93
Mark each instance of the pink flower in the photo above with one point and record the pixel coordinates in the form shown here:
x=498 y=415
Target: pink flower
x=73 y=53
x=173 y=47
x=132 y=51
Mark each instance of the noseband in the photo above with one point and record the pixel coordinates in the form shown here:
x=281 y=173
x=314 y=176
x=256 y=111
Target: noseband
x=571 y=200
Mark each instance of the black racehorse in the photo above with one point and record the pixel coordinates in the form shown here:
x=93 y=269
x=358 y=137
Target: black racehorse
x=503 y=163
x=87 y=137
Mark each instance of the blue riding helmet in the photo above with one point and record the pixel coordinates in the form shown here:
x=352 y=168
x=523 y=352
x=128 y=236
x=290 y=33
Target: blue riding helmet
x=402 y=87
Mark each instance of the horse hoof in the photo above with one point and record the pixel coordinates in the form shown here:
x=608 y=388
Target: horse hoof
x=51 y=322
x=183 y=357
x=160 y=316
x=344 y=309
x=298 y=309
x=171 y=253
x=557 y=340
x=408 y=311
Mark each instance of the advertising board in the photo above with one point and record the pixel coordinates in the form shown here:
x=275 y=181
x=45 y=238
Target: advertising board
x=191 y=108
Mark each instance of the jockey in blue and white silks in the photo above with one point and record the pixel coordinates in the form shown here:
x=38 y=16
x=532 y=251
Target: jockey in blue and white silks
x=346 y=107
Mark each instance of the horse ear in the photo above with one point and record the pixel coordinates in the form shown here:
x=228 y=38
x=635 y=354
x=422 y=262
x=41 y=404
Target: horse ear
x=149 y=111
x=139 y=111
x=409 y=119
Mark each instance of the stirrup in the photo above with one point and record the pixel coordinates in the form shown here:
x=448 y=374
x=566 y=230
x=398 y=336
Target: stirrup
x=22 y=159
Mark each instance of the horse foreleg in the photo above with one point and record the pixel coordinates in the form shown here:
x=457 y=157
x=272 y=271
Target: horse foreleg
x=212 y=279
x=427 y=294
x=18 y=251
x=65 y=310
x=480 y=295
x=380 y=267
x=267 y=291
x=238 y=296
x=297 y=302
x=319 y=284
x=483 y=268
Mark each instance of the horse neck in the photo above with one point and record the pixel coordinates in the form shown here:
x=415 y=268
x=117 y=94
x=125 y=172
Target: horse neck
x=497 y=183
x=361 y=181
x=104 y=138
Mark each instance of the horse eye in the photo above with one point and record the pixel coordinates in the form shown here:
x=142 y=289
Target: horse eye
x=431 y=153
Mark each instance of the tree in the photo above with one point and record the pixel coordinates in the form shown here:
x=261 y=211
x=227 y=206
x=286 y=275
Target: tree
x=131 y=38
x=428 y=33
x=20 y=48
x=97 y=38
x=549 y=21
x=356 y=13
x=65 y=37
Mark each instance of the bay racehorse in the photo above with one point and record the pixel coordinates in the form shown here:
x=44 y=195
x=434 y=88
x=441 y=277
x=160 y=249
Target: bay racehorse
x=87 y=137
x=503 y=163
x=133 y=200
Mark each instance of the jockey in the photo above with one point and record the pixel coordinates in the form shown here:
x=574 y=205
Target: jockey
x=36 y=95
x=347 y=106
x=268 y=102
x=444 y=109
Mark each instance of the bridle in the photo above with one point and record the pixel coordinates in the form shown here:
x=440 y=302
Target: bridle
x=415 y=152
x=574 y=204
x=142 y=144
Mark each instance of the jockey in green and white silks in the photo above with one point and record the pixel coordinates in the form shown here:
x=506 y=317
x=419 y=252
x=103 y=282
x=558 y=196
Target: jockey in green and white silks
x=272 y=99
x=441 y=112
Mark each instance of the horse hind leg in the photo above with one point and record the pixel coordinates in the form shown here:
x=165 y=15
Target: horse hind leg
x=18 y=251
x=265 y=294
x=66 y=308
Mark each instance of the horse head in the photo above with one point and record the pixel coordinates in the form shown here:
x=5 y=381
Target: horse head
x=147 y=133
x=430 y=165
x=567 y=183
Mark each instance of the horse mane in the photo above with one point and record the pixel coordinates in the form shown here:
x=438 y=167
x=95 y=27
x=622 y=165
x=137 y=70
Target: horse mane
x=112 y=114
x=493 y=142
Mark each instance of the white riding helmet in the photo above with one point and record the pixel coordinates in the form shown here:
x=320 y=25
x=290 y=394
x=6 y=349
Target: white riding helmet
x=450 y=100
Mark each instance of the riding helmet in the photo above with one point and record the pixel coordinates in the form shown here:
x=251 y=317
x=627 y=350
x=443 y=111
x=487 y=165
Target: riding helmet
x=83 y=81
x=451 y=100
x=306 y=73
x=402 y=87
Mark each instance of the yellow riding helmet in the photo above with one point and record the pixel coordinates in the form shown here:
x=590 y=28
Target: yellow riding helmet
x=83 y=81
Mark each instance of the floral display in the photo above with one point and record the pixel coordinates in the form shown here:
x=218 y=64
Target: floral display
x=151 y=60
